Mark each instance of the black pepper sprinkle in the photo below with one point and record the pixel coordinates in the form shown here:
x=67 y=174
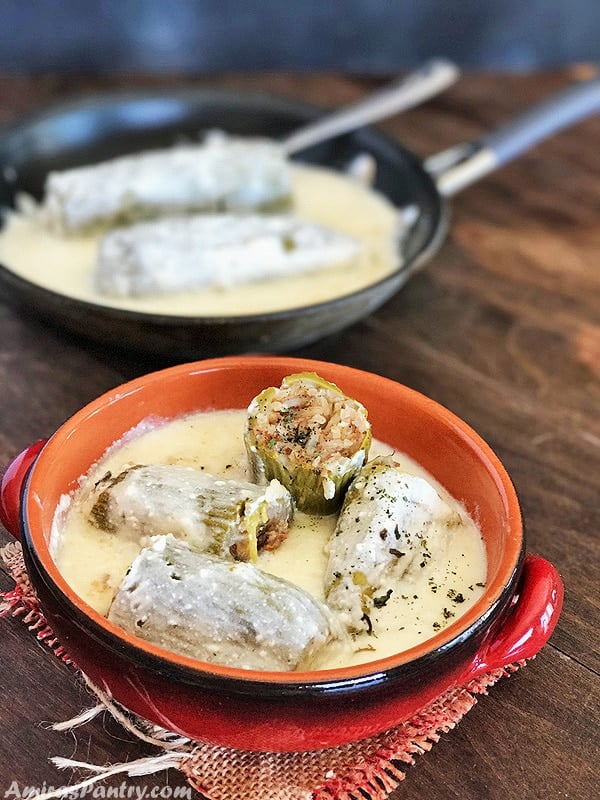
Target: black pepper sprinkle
x=395 y=552
x=379 y=602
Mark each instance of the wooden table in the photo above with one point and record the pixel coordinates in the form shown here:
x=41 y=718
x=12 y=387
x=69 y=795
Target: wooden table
x=503 y=327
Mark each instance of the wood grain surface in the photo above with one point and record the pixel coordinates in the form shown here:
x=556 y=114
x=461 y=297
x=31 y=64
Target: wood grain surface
x=503 y=327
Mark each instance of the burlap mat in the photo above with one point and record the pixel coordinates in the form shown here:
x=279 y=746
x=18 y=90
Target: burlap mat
x=365 y=770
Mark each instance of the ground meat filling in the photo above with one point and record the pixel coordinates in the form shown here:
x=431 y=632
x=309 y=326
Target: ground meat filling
x=311 y=437
x=312 y=427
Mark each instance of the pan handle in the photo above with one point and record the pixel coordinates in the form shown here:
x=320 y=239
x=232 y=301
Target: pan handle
x=462 y=165
x=406 y=92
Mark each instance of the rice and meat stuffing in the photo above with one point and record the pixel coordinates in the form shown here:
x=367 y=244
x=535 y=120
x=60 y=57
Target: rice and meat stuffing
x=311 y=437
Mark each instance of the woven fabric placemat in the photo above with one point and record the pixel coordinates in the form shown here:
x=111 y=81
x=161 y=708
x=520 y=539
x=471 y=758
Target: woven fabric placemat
x=369 y=769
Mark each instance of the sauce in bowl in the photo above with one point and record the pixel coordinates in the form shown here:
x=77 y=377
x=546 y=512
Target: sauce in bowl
x=431 y=594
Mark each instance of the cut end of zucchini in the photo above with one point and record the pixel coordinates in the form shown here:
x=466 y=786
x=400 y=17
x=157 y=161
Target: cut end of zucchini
x=311 y=437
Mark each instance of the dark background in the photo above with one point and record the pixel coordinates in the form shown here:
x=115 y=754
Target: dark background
x=357 y=36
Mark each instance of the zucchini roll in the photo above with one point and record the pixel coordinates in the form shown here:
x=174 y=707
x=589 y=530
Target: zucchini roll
x=225 y=517
x=220 y=611
x=388 y=520
x=221 y=173
x=214 y=250
x=310 y=436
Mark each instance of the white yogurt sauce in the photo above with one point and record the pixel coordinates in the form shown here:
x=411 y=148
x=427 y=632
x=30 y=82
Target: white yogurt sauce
x=428 y=598
x=65 y=264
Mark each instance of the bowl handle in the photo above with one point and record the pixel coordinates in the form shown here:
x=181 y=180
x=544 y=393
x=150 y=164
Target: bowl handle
x=12 y=487
x=529 y=622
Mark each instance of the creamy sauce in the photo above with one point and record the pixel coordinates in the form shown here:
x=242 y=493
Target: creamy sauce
x=429 y=597
x=65 y=264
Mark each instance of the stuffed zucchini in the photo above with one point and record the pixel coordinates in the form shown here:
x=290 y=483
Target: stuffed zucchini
x=222 y=173
x=214 y=250
x=388 y=519
x=225 y=517
x=311 y=437
x=220 y=611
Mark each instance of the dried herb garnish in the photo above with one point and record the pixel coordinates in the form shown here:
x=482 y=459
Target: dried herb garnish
x=381 y=601
x=393 y=551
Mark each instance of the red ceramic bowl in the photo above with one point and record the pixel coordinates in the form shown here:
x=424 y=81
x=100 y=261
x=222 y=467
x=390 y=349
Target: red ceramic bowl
x=272 y=710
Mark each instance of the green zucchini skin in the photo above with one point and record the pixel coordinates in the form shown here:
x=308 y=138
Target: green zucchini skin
x=222 y=173
x=292 y=449
x=388 y=519
x=228 y=518
x=220 y=611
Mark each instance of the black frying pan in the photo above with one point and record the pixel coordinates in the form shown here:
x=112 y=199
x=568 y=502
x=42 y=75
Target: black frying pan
x=100 y=127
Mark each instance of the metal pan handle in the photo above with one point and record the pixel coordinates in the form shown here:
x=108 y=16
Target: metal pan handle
x=460 y=166
x=403 y=93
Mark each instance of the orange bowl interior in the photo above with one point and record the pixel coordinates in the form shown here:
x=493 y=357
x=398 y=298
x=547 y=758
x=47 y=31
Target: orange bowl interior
x=443 y=444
